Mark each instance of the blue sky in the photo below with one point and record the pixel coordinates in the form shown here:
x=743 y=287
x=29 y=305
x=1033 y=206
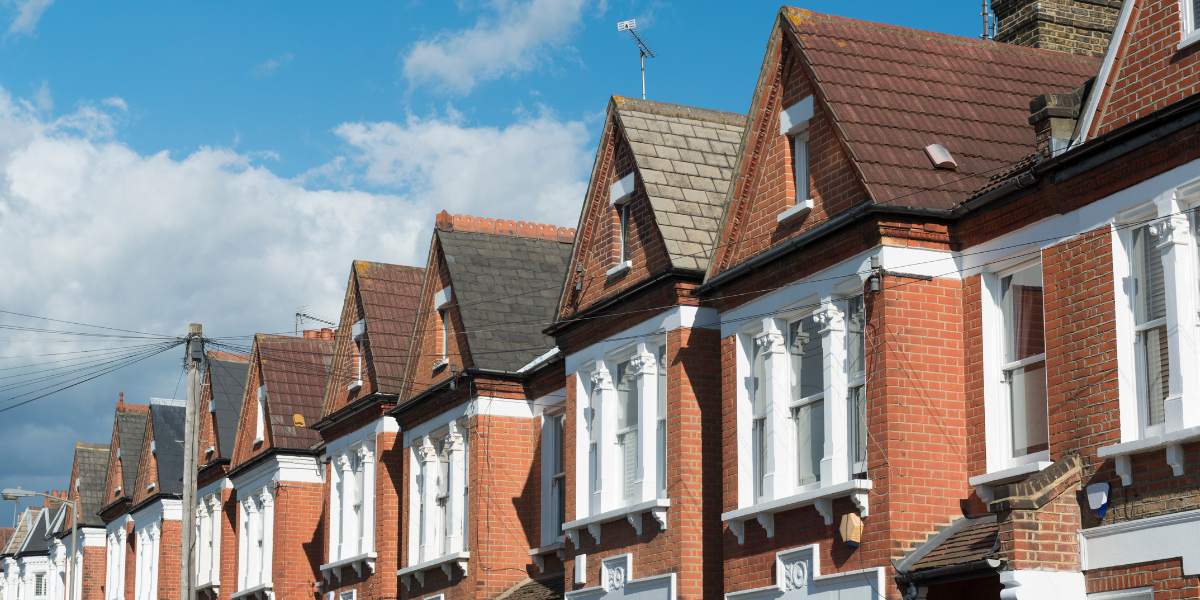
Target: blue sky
x=222 y=162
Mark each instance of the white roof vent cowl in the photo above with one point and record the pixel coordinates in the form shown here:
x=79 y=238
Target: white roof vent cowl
x=940 y=157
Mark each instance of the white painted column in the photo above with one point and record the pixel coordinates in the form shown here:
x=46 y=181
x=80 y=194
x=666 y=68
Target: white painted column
x=335 y=510
x=604 y=420
x=779 y=471
x=253 y=551
x=455 y=446
x=834 y=465
x=366 y=483
x=428 y=456
x=214 y=554
x=155 y=546
x=645 y=365
x=1173 y=235
x=345 y=468
x=268 y=525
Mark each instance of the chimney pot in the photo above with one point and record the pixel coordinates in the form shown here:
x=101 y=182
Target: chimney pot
x=1053 y=117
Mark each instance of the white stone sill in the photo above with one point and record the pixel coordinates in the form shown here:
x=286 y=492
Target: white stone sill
x=433 y=563
x=250 y=592
x=1010 y=474
x=618 y=268
x=633 y=513
x=1188 y=40
x=208 y=585
x=547 y=549
x=801 y=208
x=822 y=498
x=1171 y=441
x=368 y=557
x=441 y=364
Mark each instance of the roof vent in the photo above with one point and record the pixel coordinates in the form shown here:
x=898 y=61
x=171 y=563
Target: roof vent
x=940 y=157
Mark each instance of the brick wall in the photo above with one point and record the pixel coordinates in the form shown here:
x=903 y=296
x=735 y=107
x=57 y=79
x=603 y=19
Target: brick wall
x=130 y=562
x=93 y=575
x=1150 y=71
x=170 y=559
x=299 y=540
x=1076 y=26
x=1165 y=576
x=229 y=544
x=426 y=343
x=766 y=187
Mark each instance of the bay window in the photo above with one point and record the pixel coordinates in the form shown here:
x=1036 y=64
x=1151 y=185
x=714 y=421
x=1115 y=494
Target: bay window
x=114 y=562
x=439 y=496
x=209 y=518
x=255 y=539
x=147 y=552
x=351 y=503
x=554 y=491
x=623 y=437
x=801 y=412
x=1150 y=327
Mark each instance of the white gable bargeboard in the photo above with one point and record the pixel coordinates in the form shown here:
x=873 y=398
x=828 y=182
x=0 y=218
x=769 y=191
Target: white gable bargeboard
x=617 y=583
x=798 y=577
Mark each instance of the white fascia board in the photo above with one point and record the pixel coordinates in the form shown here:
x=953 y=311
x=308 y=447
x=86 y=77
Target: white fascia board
x=1163 y=537
x=384 y=424
x=480 y=406
x=91 y=537
x=163 y=509
x=542 y=359
x=215 y=487
x=795 y=117
x=677 y=317
x=621 y=189
x=292 y=468
x=1110 y=56
x=118 y=523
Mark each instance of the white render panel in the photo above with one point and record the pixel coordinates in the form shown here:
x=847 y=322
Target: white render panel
x=798 y=577
x=678 y=317
x=1168 y=536
x=617 y=583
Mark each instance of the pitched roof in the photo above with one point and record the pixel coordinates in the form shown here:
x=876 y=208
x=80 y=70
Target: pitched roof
x=550 y=588
x=227 y=377
x=132 y=427
x=893 y=90
x=506 y=288
x=36 y=542
x=294 y=371
x=90 y=467
x=389 y=295
x=167 y=425
x=5 y=536
x=685 y=157
x=966 y=540
x=25 y=523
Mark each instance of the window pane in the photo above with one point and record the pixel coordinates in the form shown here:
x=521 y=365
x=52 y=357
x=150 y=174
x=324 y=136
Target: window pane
x=810 y=440
x=856 y=338
x=661 y=433
x=623 y=213
x=1151 y=294
x=629 y=461
x=1157 y=372
x=627 y=397
x=1028 y=409
x=1150 y=304
x=1024 y=324
x=758 y=427
x=807 y=365
x=800 y=166
x=857 y=415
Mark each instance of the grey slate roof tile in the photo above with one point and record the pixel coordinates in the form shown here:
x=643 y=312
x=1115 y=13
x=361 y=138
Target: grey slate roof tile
x=92 y=463
x=228 y=388
x=133 y=433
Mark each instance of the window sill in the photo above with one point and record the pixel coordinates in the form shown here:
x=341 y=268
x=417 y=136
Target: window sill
x=445 y=562
x=800 y=209
x=336 y=568
x=984 y=484
x=822 y=498
x=619 y=269
x=441 y=364
x=1172 y=442
x=1189 y=39
x=209 y=586
x=258 y=591
x=354 y=385
x=539 y=554
x=632 y=513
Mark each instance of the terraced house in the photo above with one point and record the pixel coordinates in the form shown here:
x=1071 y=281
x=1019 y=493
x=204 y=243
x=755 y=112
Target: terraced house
x=85 y=570
x=124 y=456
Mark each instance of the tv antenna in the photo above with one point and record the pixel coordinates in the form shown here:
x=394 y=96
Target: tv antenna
x=644 y=51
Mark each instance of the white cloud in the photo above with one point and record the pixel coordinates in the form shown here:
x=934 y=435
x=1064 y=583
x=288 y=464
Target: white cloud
x=29 y=12
x=512 y=41
x=268 y=67
x=96 y=232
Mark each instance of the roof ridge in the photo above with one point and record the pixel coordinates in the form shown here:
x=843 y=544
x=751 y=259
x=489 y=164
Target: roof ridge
x=227 y=356
x=797 y=15
x=506 y=227
x=678 y=110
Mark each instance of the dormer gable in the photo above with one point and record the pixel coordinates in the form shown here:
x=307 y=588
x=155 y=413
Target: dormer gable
x=160 y=468
x=875 y=118
x=283 y=394
x=222 y=391
x=86 y=486
x=373 y=334
x=124 y=452
x=490 y=287
x=654 y=199
x=1153 y=62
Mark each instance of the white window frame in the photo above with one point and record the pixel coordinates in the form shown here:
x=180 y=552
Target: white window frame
x=999 y=454
x=620 y=194
x=793 y=403
x=554 y=490
x=358 y=333
x=1189 y=23
x=146 y=573
x=352 y=502
x=793 y=123
x=856 y=380
x=1168 y=220
x=260 y=419
x=256 y=539
x=435 y=534
x=114 y=586
x=781 y=489
x=209 y=521
x=441 y=304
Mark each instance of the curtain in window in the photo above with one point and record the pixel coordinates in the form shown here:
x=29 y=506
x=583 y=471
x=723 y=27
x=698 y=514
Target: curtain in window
x=758 y=441
x=627 y=427
x=1024 y=357
x=856 y=370
x=1150 y=310
x=661 y=430
x=808 y=389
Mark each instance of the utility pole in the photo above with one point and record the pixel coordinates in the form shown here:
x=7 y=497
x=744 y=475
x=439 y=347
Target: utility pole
x=194 y=362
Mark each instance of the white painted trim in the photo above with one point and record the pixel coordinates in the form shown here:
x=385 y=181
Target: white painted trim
x=1032 y=584
x=871 y=576
x=1009 y=474
x=1142 y=593
x=1110 y=55
x=796 y=117
x=1172 y=442
x=91 y=537
x=481 y=406
x=1189 y=25
x=441 y=298
x=163 y=509
x=822 y=498
x=803 y=207
x=621 y=189
x=1143 y=540
x=215 y=487
x=617 y=579
x=542 y=359
x=633 y=513
x=618 y=268
x=363 y=434
x=278 y=468
x=678 y=317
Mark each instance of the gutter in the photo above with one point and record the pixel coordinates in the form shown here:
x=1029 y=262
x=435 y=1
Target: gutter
x=270 y=452
x=352 y=410
x=949 y=572
x=622 y=296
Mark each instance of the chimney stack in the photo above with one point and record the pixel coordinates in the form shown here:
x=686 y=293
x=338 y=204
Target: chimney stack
x=1076 y=26
x=1053 y=117
x=318 y=334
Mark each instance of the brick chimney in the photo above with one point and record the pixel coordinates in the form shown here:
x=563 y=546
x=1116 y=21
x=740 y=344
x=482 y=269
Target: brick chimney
x=1053 y=117
x=318 y=334
x=1076 y=26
